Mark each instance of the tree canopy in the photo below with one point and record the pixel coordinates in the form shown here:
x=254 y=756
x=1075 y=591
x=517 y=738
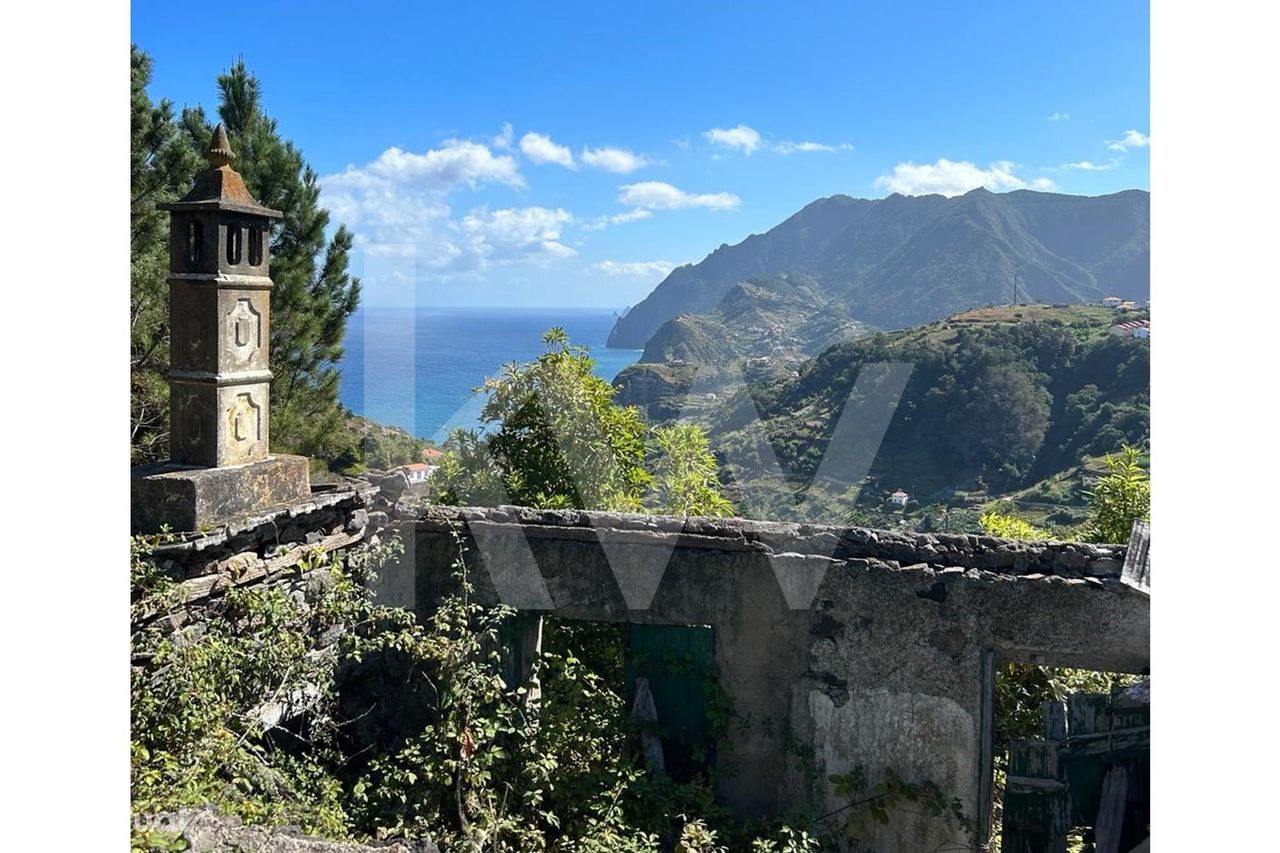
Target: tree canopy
x=553 y=437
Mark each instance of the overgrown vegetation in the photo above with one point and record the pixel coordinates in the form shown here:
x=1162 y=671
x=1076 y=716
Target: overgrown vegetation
x=271 y=710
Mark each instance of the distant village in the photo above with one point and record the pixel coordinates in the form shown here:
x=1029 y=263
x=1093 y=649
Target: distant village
x=1129 y=328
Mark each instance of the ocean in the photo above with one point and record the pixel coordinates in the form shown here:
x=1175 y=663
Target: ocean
x=417 y=368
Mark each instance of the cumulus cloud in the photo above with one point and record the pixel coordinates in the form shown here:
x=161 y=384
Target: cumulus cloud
x=542 y=149
x=635 y=269
x=1130 y=139
x=1057 y=116
x=658 y=195
x=1090 y=166
x=950 y=178
x=741 y=138
x=618 y=160
x=456 y=163
x=602 y=222
x=398 y=205
x=807 y=147
x=517 y=234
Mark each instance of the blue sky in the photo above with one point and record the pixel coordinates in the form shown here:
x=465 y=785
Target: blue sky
x=572 y=153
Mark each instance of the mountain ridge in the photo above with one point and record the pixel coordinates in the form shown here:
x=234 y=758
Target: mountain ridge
x=903 y=260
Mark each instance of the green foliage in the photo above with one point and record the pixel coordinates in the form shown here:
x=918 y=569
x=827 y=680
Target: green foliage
x=686 y=478
x=252 y=710
x=161 y=166
x=1120 y=498
x=992 y=403
x=1009 y=527
x=557 y=439
x=554 y=438
x=203 y=698
x=873 y=804
x=314 y=293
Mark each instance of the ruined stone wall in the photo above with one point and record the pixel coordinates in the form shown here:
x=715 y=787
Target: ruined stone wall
x=838 y=647
x=265 y=548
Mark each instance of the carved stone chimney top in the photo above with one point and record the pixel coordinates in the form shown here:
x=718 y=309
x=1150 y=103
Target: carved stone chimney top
x=221 y=187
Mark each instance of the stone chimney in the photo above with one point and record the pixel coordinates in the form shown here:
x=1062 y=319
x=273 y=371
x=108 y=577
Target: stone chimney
x=220 y=467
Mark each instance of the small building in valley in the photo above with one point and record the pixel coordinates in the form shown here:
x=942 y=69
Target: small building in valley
x=899 y=498
x=1132 y=329
x=1112 y=301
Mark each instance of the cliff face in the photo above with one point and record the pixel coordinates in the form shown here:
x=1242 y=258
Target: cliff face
x=900 y=261
x=658 y=389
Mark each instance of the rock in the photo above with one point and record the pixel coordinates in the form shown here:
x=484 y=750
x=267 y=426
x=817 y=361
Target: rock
x=359 y=519
x=207 y=831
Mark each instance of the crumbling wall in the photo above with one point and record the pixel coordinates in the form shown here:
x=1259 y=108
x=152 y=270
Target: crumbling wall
x=839 y=647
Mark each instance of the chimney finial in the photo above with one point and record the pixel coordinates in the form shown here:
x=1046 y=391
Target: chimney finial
x=220 y=153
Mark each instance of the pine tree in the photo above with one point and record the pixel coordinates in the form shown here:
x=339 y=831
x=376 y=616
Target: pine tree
x=161 y=166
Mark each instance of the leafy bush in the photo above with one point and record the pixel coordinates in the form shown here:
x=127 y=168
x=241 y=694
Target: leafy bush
x=1009 y=527
x=555 y=438
x=1120 y=498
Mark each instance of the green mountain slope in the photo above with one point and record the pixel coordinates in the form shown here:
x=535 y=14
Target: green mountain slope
x=900 y=260
x=783 y=316
x=999 y=400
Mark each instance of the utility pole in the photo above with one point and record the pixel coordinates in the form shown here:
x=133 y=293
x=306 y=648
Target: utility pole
x=1015 y=285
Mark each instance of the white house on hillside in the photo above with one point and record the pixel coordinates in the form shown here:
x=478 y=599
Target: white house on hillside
x=418 y=472
x=899 y=498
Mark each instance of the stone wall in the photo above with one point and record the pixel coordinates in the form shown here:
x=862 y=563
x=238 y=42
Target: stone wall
x=839 y=646
x=265 y=548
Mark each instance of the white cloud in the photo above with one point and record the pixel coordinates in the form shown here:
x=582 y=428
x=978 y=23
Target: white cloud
x=658 y=195
x=950 y=178
x=457 y=163
x=541 y=149
x=517 y=234
x=1090 y=166
x=617 y=160
x=398 y=206
x=635 y=269
x=503 y=140
x=1057 y=116
x=806 y=147
x=602 y=222
x=742 y=138
x=1131 y=139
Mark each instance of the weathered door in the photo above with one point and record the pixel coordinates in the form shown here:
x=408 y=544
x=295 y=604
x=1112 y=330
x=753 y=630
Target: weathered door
x=679 y=662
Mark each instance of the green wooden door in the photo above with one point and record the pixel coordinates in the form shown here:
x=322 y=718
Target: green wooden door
x=679 y=662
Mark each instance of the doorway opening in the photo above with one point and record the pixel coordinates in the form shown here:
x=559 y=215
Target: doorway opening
x=1067 y=758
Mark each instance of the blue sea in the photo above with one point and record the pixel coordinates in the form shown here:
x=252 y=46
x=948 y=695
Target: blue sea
x=418 y=368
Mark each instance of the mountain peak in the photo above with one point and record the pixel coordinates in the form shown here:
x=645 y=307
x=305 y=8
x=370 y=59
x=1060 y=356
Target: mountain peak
x=903 y=260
